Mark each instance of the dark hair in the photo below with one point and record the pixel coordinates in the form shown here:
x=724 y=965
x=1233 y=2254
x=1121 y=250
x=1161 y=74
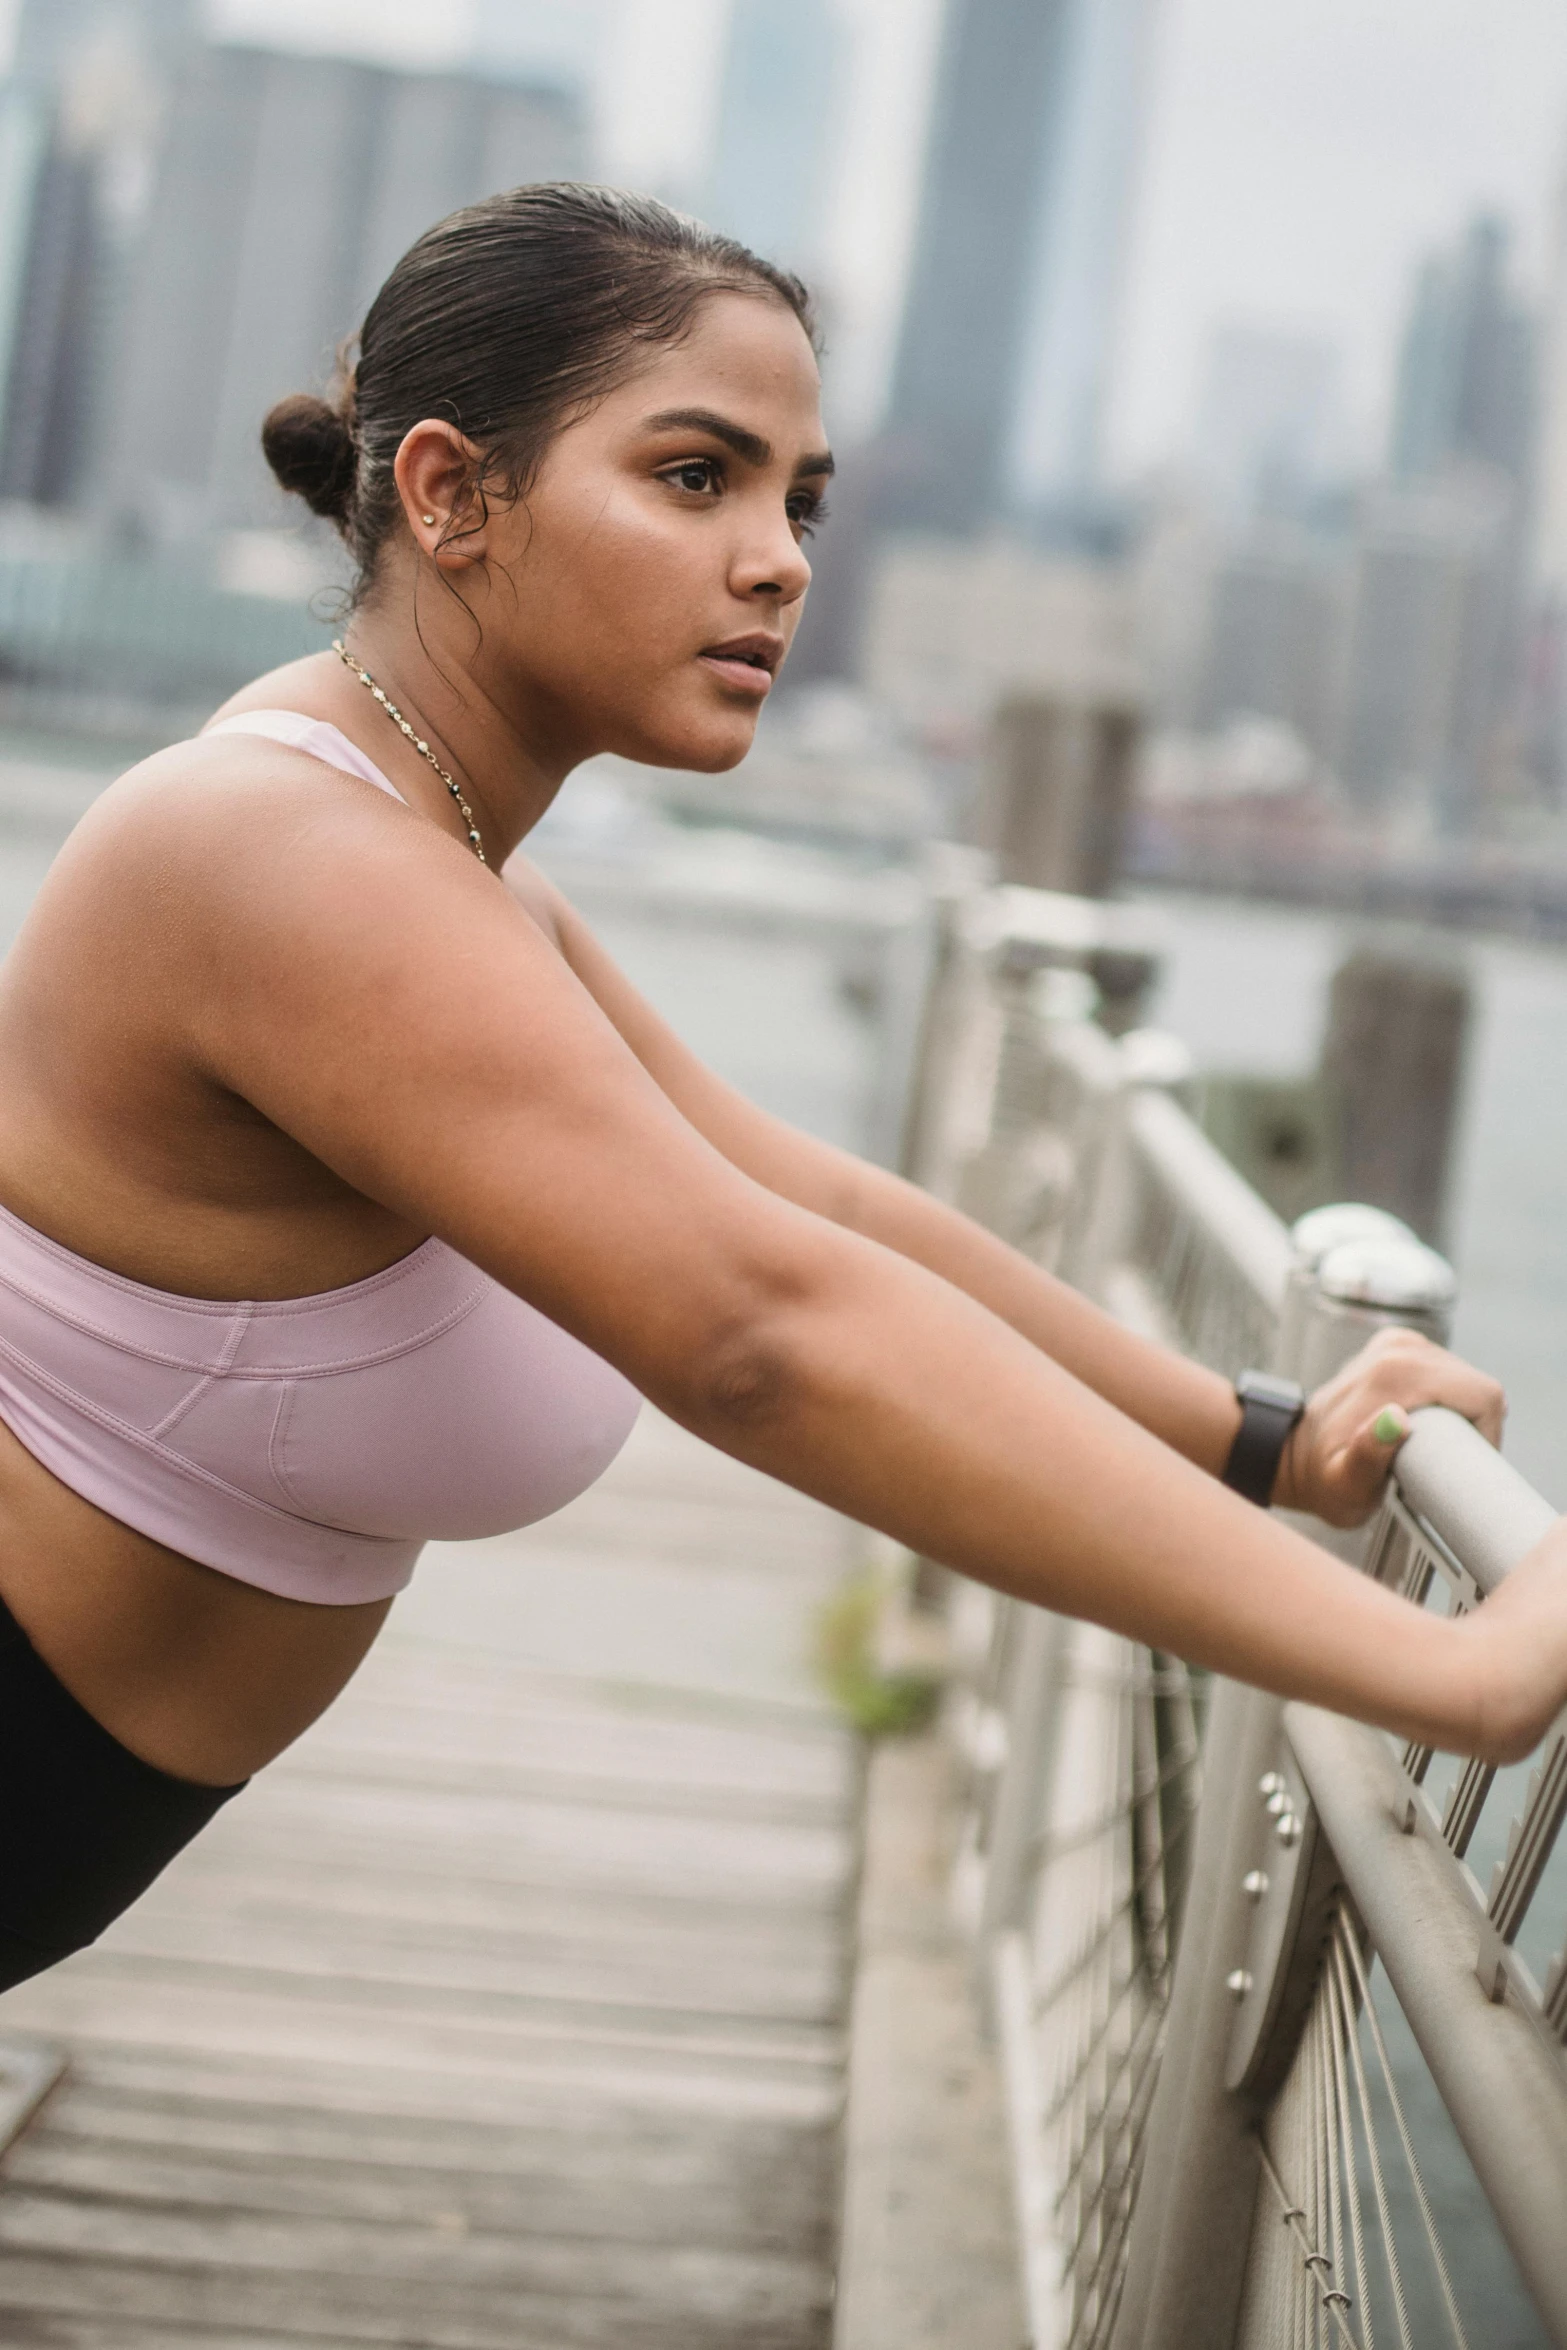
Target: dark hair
x=508 y=319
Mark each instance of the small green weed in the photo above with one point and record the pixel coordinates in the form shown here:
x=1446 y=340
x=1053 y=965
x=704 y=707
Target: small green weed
x=881 y=1704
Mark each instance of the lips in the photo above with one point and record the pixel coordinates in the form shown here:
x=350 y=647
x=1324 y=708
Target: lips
x=747 y=661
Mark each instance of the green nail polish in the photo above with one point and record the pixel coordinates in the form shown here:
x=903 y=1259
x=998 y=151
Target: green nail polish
x=1389 y=1427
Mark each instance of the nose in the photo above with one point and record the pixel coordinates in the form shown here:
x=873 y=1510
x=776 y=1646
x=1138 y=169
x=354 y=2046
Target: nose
x=771 y=566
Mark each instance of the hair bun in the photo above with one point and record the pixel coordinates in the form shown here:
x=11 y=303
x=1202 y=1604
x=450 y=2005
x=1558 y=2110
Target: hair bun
x=310 y=448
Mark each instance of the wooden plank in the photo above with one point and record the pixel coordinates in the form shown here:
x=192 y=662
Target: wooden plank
x=686 y=1977
x=691 y=2274
x=766 y=2194
x=507 y=2010
x=546 y=2087
x=390 y=2314
x=362 y=2117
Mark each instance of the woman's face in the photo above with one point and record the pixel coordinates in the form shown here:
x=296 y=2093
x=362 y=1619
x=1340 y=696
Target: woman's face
x=643 y=593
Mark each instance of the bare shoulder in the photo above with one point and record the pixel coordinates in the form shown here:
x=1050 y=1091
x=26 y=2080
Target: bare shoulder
x=538 y=896
x=220 y=783
x=235 y=867
x=235 y=825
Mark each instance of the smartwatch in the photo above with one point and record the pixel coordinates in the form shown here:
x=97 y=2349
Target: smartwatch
x=1271 y=1409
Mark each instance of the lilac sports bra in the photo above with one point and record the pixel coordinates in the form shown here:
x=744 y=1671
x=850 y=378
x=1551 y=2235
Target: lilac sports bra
x=307 y=1445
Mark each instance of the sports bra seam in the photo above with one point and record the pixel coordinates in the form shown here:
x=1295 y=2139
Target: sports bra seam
x=176 y=1461
x=231 y=1346
x=177 y=1362
x=280 y=1420
x=177 y=1411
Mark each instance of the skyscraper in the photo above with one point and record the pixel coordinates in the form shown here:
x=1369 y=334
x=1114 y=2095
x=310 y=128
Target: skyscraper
x=1073 y=304
x=81 y=113
x=1550 y=550
x=771 y=155
x=1437 y=621
x=1427 y=658
x=995 y=119
x=1466 y=373
x=287 y=189
x=1008 y=328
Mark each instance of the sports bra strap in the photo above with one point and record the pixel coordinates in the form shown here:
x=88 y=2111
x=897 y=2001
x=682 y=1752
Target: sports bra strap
x=317 y=736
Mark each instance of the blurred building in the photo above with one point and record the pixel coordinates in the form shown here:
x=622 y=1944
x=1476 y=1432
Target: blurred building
x=1016 y=258
x=287 y=188
x=1466 y=374
x=1271 y=642
x=1550 y=535
x=1426 y=661
x=80 y=117
x=1546 y=713
x=1072 y=305
x=772 y=152
x=1433 y=673
x=1263 y=433
x=949 y=629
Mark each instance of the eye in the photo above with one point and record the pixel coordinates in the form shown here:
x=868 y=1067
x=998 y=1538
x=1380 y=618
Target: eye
x=701 y=476
x=807 y=510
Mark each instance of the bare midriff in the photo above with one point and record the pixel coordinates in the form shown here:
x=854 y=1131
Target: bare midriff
x=201 y=1675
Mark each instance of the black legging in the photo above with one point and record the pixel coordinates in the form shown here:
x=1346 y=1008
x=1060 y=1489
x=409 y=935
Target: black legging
x=85 y=1825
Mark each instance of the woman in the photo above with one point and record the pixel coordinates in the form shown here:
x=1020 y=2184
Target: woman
x=349 y=1196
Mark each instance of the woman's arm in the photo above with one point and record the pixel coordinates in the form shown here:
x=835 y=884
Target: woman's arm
x=1335 y=1466
x=413 y=1029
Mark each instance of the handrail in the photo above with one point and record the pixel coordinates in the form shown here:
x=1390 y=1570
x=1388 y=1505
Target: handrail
x=1116 y=1907
x=1472 y=1499
x=1509 y=2109
x=1198 y=1175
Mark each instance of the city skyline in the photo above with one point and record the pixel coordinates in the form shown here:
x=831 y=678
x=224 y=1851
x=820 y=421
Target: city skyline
x=1299 y=161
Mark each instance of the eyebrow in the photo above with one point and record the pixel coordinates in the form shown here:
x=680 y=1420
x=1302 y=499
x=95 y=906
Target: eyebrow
x=749 y=445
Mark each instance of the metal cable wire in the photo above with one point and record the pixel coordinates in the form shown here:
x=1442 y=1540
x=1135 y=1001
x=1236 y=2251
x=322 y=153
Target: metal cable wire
x=1294 y=2220
x=1106 y=2002
x=1396 y=2102
x=1349 y=2025
x=1346 y=2132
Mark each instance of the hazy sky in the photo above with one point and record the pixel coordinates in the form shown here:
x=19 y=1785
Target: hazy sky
x=1301 y=155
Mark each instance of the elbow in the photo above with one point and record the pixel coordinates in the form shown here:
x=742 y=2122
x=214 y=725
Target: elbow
x=749 y=1382
x=749 y=1372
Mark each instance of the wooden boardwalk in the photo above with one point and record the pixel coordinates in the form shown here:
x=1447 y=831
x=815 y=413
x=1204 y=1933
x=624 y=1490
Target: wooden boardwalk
x=508 y=2009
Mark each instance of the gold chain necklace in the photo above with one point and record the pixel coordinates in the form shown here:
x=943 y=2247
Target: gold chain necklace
x=422 y=747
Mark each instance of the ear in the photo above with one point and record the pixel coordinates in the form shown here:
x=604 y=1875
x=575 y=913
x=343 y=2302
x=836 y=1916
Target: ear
x=437 y=471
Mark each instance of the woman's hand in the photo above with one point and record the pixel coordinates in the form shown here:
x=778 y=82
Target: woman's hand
x=1337 y=1461
x=1517 y=1643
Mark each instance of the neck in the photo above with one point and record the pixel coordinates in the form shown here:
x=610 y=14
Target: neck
x=497 y=762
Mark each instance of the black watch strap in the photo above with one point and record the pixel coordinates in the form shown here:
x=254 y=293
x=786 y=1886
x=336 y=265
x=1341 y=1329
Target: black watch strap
x=1270 y=1410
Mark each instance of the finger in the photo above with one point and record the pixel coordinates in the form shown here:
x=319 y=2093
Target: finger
x=1433 y=1377
x=1367 y=1459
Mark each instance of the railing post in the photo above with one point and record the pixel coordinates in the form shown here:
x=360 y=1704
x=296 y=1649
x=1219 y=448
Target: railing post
x=1110 y=1072
x=1192 y=2226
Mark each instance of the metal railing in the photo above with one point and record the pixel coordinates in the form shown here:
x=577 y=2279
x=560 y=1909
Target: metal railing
x=1281 y=2007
